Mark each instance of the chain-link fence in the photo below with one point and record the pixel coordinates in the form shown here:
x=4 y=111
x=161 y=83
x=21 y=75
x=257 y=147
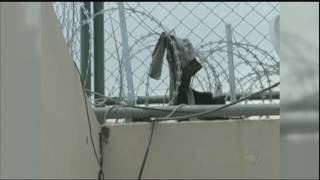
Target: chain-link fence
x=256 y=64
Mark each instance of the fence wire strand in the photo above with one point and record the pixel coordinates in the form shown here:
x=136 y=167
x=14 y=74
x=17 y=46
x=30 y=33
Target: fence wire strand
x=203 y=23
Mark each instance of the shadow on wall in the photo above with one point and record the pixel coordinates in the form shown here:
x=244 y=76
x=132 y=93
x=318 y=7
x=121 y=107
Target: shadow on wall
x=301 y=71
x=299 y=107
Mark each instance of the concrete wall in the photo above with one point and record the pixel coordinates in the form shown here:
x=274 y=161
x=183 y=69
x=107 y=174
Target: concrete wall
x=195 y=150
x=299 y=44
x=44 y=129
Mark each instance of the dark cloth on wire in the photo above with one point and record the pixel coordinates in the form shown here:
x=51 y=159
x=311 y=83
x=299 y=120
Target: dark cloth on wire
x=186 y=56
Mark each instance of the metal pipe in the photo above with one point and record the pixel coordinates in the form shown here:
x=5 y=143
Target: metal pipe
x=111 y=112
x=165 y=99
x=231 y=63
x=98 y=28
x=85 y=46
x=125 y=52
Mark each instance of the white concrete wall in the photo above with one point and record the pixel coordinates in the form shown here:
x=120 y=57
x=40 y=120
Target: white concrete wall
x=44 y=129
x=195 y=150
x=299 y=44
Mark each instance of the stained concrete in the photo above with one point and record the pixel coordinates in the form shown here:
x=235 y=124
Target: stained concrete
x=194 y=150
x=43 y=122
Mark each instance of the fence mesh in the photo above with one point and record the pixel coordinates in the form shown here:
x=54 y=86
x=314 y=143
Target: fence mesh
x=203 y=23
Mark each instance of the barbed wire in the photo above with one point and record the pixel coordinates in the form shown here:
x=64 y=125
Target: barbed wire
x=203 y=23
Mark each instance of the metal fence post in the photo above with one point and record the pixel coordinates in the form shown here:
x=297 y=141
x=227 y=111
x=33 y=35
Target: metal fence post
x=85 y=46
x=125 y=52
x=230 y=63
x=137 y=22
x=98 y=30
